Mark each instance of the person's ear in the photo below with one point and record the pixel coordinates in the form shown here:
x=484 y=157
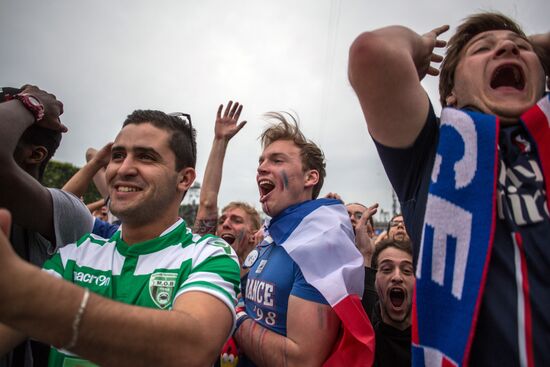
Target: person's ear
x=186 y=177
x=37 y=155
x=312 y=178
x=450 y=100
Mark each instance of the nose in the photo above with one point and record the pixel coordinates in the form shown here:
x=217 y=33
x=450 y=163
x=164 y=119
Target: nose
x=226 y=224
x=262 y=167
x=507 y=47
x=397 y=276
x=127 y=167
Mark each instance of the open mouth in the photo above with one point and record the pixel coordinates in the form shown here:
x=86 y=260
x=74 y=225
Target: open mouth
x=508 y=75
x=228 y=237
x=265 y=187
x=397 y=297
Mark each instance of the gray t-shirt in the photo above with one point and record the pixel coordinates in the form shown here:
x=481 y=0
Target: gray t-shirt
x=71 y=221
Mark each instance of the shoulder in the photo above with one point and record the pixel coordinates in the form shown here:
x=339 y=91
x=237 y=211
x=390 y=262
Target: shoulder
x=205 y=247
x=71 y=217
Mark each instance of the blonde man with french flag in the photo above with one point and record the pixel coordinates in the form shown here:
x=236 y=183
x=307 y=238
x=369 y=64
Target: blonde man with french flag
x=302 y=295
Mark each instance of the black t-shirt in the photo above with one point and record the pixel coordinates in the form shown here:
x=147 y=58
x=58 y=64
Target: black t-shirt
x=522 y=208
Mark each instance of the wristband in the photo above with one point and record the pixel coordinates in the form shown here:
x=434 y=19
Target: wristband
x=241 y=317
x=32 y=104
x=77 y=319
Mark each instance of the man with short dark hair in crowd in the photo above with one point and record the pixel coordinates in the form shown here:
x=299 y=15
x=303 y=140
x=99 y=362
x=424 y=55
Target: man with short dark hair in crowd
x=396 y=230
x=297 y=296
x=473 y=184
x=391 y=316
x=152 y=294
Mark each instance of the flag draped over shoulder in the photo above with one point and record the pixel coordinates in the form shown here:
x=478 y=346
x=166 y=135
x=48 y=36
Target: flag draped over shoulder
x=318 y=236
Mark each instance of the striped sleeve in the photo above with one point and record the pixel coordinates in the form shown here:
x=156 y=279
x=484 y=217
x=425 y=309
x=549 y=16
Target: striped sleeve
x=215 y=270
x=54 y=265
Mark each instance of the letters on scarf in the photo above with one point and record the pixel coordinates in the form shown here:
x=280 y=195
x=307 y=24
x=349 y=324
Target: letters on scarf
x=458 y=231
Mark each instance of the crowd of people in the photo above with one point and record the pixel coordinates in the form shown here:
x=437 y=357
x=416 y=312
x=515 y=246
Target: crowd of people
x=460 y=277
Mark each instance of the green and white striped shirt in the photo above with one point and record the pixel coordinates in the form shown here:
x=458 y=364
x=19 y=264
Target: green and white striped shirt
x=149 y=274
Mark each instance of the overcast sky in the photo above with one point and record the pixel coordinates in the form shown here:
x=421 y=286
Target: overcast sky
x=104 y=59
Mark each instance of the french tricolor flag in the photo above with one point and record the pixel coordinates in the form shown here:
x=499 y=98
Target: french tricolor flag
x=318 y=236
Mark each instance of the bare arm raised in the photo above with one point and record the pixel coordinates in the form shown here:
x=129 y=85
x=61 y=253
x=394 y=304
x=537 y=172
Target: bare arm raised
x=385 y=69
x=20 y=192
x=542 y=42
x=81 y=179
x=225 y=128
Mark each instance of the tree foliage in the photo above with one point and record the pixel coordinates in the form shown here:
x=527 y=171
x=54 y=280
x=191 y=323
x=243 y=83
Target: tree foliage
x=58 y=173
x=188 y=212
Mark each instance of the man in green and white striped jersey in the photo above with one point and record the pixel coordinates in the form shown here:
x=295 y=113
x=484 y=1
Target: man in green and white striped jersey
x=154 y=294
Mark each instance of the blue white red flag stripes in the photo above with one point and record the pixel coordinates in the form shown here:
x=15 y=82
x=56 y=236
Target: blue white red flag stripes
x=318 y=236
x=537 y=123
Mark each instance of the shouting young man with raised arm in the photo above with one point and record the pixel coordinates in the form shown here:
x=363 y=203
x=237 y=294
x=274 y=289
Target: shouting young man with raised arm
x=473 y=184
x=297 y=295
x=152 y=294
x=239 y=221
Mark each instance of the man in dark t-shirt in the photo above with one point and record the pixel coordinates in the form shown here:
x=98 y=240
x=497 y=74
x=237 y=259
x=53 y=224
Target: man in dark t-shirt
x=493 y=68
x=391 y=315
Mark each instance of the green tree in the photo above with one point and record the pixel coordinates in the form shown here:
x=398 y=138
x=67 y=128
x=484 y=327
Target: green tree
x=58 y=173
x=188 y=212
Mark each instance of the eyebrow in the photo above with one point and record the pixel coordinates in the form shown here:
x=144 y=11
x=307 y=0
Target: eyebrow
x=511 y=35
x=137 y=149
x=407 y=262
x=272 y=156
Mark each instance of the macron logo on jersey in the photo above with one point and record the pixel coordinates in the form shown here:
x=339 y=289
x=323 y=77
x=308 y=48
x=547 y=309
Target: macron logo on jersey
x=100 y=280
x=260 y=292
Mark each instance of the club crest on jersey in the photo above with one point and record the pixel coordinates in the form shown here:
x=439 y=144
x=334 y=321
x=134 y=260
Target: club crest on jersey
x=251 y=259
x=161 y=288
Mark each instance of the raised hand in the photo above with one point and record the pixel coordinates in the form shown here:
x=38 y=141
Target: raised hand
x=430 y=41
x=362 y=238
x=102 y=156
x=334 y=195
x=52 y=108
x=226 y=124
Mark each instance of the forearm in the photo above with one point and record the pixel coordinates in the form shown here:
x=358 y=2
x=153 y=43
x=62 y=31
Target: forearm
x=9 y=339
x=265 y=347
x=207 y=215
x=110 y=333
x=213 y=174
x=386 y=50
x=384 y=71
x=542 y=42
x=78 y=183
x=96 y=205
x=100 y=183
x=14 y=120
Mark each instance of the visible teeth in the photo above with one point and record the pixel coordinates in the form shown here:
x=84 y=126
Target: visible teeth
x=127 y=189
x=265 y=183
x=517 y=75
